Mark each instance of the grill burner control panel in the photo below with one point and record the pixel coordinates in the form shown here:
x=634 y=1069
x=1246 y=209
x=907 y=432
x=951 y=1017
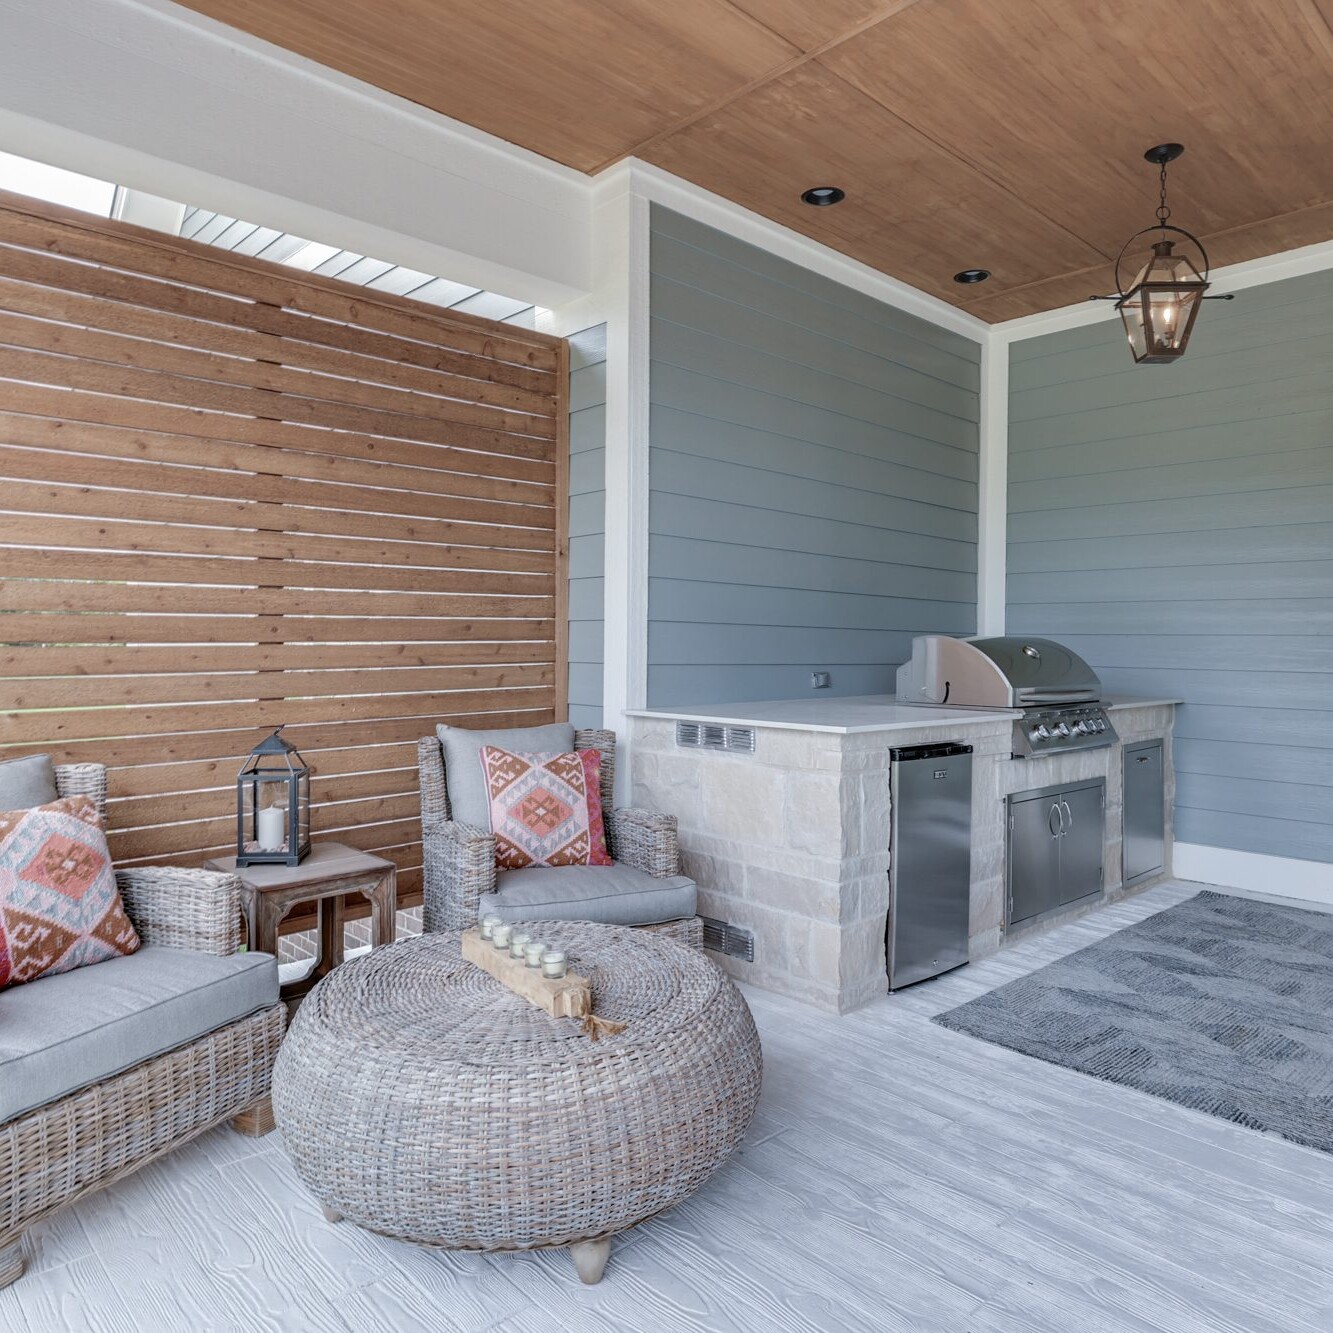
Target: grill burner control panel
x=1055 y=730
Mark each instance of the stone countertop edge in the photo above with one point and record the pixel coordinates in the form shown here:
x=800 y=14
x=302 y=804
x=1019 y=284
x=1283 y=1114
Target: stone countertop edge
x=818 y=714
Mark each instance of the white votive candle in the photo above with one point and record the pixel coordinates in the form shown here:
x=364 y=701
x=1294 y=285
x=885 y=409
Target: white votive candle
x=518 y=945
x=488 y=925
x=271 y=828
x=554 y=964
x=533 y=951
x=500 y=935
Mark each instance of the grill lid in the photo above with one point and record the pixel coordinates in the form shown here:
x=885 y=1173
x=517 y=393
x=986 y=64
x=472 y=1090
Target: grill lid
x=1008 y=671
x=1041 y=670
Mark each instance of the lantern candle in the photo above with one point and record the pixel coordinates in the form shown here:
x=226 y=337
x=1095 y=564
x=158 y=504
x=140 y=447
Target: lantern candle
x=554 y=964
x=518 y=945
x=488 y=925
x=500 y=935
x=533 y=951
x=272 y=828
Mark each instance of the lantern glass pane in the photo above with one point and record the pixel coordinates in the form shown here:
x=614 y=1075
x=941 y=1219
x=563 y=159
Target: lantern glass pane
x=1131 y=313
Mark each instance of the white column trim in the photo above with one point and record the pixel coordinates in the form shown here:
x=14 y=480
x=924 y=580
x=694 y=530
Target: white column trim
x=993 y=486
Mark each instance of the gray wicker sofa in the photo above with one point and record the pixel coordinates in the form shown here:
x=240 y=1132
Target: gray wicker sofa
x=105 y=1068
x=644 y=887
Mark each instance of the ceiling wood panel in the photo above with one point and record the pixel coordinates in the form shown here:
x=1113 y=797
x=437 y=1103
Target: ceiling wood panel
x=966 y=133
x=579 y=81
x=762 y=149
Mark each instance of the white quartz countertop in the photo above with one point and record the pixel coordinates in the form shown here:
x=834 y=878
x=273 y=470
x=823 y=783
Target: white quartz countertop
x=866 y=712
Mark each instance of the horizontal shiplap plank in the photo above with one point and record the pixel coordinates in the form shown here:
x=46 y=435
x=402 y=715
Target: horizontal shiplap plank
x=704 y=353
x=910 y=468
x=726 y=603
x=773 y=269
x=784 y=332
x=707 y=478
x=673 y=643
x=1173 y=529
x=682 y=686
x=682 y=520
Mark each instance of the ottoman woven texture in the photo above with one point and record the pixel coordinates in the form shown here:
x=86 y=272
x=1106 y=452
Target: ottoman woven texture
x=420 y=1098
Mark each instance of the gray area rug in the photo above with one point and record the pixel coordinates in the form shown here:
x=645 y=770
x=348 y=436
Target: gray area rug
x=1221 y=1004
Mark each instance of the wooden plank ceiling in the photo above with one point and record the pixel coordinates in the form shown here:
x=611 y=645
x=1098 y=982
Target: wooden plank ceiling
x=966 y=133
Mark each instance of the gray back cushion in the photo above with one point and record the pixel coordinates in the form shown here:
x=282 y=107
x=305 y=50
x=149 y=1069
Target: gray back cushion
x=468 y=802
x=25 y=783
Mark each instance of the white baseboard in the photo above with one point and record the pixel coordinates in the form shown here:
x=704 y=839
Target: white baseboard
x=1284 y=876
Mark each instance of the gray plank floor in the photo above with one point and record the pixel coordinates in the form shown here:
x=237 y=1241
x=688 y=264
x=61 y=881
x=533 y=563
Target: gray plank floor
x=899 y=1177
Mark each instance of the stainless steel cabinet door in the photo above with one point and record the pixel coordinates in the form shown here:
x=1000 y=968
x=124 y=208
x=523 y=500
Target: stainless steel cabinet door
x=1034 y=857
x=1145 y=811
x=1081 y=843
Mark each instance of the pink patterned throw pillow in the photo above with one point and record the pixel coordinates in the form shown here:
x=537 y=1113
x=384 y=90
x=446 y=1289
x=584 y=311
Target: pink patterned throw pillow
x=59 y=905
x=546 y=809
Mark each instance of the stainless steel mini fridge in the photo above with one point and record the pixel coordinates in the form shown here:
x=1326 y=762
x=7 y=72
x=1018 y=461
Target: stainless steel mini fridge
x=930 y=861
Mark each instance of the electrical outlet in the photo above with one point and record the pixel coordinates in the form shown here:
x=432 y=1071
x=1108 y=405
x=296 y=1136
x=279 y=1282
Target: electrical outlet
x=819 y=680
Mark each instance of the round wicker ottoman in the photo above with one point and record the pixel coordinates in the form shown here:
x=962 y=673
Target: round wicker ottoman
x=421 y=1099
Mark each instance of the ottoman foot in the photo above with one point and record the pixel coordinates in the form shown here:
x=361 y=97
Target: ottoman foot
x=330 y=1214
x=590 y=1258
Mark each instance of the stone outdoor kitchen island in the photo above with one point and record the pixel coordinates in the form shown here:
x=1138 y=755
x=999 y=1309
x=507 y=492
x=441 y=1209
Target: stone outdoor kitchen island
x=791 y=841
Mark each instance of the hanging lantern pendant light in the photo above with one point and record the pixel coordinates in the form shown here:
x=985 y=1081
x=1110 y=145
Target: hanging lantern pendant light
x=1161 y=304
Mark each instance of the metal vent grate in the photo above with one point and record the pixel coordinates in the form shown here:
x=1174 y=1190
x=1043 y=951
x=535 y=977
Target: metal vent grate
x=723 y=937
x=715 y=736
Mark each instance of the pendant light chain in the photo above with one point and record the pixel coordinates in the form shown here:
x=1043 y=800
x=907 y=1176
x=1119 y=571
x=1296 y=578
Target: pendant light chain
x=1163 y=212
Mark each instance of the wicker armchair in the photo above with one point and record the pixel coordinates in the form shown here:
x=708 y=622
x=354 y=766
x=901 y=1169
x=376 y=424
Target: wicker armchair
x=78 y=1143
x=459 y=859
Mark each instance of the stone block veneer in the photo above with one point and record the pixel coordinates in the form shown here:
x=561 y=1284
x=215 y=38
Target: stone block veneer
x=791 y=842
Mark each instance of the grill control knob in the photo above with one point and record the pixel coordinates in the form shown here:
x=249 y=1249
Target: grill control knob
x=1062 y=729
x=1081 y=728
x=1041 y=733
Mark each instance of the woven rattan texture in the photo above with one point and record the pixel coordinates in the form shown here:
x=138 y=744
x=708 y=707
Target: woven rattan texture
x=422 y=1099
x=93 y=1137
x=459 y=859
x=83 y=1142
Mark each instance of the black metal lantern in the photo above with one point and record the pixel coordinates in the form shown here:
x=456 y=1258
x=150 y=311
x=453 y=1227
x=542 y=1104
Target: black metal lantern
x=273 y=805
x=1162 y=303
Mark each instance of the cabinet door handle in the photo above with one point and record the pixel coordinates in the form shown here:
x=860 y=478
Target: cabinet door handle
x=1066 y=814
x=1141 y=759
x=1056 y=813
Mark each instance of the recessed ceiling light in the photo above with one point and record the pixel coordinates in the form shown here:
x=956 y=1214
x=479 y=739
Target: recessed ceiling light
x=972 y=275
x=821 y=196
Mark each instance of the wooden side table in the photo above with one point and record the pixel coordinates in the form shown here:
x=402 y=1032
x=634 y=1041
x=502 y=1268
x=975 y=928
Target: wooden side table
x=268 y=894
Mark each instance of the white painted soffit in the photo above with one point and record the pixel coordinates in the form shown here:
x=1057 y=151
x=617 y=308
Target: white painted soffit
x=1230 y=278
x=172 y=103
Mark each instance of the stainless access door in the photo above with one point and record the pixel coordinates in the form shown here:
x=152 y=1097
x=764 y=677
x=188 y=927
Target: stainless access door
x=1082 y=841
x=1036 y=822
x=930 y=861
x=1145 y=811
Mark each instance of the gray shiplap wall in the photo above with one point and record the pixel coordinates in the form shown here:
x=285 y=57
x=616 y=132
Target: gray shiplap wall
x=813 y=473
x=1174 y=524
x=587 y=522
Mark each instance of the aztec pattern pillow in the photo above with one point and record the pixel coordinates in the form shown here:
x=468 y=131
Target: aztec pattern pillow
x=59 y=905
x=546 y=809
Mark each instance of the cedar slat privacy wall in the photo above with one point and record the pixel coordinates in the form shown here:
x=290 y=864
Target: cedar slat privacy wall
x=233 y=496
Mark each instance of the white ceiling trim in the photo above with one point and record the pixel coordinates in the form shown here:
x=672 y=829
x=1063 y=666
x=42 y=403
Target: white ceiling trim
x=1231 y=278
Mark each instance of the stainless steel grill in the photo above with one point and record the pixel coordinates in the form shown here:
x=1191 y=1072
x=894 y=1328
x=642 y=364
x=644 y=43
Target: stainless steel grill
x=1057 y=691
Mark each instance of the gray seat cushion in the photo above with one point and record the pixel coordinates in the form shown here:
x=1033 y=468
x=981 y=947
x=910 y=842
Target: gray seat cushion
x=60 y=1033
x=614 y=895
x=27 y=782
x=468 y=802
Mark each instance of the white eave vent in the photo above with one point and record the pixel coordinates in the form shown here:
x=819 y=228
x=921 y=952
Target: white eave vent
x=715 y=736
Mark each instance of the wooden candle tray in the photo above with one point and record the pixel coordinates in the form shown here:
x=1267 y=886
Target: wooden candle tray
x=569 y=996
